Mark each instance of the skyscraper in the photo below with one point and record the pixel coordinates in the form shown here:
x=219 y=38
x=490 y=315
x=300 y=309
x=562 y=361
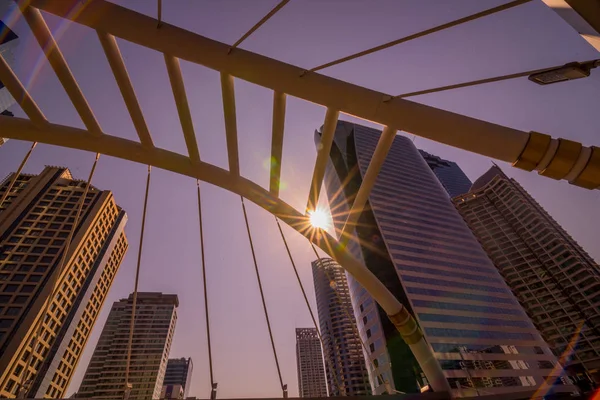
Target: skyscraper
x=179 y=372
x=341 y=344
x=8 y=42
x=309 y=359
x=155 y=319
x=35 y=221
x=555 y=280
x=452 y=178
x=411 y=237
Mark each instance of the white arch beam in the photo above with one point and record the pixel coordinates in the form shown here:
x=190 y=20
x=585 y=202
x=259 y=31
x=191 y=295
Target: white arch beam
x=525 y=150
x=22 y=129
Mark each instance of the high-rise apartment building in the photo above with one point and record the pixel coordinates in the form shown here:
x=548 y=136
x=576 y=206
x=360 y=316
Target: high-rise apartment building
x=35 y=221
x=413 y=239
x=179 y=372
x=346 y=369
x=452 y=178
x=555 y=280
x=155 y=318
x=309 y=359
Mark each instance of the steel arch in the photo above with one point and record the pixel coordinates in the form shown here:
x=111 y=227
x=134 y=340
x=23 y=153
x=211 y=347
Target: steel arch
x=556 y=158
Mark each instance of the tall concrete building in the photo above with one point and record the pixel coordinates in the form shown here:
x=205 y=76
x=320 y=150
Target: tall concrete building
x=555 y=280
x=179 y=372
x=452 y=178
x=341 y=344
x=35 y=221
x=413 y=239
x=155 y=319
x=309 y=359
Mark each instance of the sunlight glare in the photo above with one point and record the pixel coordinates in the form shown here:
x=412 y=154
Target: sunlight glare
x=319 y=218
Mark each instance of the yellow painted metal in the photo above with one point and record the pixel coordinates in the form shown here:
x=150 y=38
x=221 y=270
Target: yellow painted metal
x=564 y=159
x=533 y=152
x=59 y=65
x=228 y=95
x=589 y=178
x=323 y=150
x=467 y=133
x=20 y=94
x=113 y=54
x=183 y=108
x=279 y=102
x=368 y=181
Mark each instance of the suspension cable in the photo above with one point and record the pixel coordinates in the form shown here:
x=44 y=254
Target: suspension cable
x=480 y=81
x=438 y=28
x=128 y=386
x=159 y=14
x=262 y=296
x=16 y=175
x=312 y=315
x=55 y=280
x=350 y=318
x=259 y=23
x=213 y=385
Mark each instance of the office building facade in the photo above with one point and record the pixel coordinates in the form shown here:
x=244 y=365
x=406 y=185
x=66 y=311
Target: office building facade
x=411 y=237
x=555 y=280
x=345 y=366
x=179 y=372
x=309 y=360
x=452 y=178
x=35 y=221
x=155 y=319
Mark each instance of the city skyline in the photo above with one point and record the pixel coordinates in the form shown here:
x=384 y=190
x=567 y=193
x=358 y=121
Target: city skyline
x=556 y=109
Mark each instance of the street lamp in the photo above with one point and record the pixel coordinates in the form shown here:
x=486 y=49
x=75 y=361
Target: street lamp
x=567 y=72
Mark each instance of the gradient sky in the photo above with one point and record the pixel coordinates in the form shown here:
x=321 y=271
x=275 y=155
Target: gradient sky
x=306 y=33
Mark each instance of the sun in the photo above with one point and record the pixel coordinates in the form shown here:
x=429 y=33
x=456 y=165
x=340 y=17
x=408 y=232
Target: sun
x=319 y=218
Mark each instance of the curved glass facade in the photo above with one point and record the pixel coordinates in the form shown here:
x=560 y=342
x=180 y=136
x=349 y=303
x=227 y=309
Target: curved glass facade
x=411 y=236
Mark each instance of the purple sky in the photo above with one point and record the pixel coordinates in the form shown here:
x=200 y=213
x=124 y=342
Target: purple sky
x=306 y=33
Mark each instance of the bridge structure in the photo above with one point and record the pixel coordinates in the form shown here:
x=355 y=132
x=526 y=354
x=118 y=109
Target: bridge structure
x=555 y=158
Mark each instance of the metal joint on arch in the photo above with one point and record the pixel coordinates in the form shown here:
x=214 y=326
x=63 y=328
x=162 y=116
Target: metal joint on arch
x=561 y=159
x=407 y=326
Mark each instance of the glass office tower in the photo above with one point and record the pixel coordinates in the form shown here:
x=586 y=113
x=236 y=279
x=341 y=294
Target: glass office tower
x=413 y=239
x=452 y=178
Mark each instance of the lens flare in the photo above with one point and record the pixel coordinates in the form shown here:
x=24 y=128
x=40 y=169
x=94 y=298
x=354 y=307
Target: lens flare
x=319 y=218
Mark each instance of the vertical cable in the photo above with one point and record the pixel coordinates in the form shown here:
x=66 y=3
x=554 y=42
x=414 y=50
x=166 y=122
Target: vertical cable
x=16 y=175
x=213 y=385
x=312 y=315
x=262 y=296
x=128 y=386
x=57 y=274
x=351 y=319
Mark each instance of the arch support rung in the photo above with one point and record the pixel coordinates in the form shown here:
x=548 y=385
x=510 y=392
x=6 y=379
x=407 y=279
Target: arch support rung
x=115 y=60
x=323 y=149
x=20 y=94
x=58 y=63
x=228 y=94
x=368 y=181
x=183 y=108
x=279 y=102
